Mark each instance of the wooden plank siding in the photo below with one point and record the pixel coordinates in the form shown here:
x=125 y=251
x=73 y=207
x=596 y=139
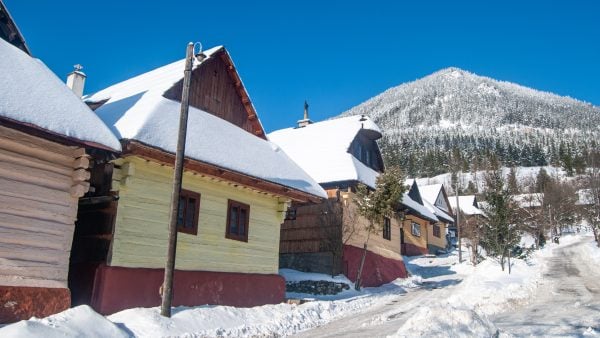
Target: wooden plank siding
x=140 y=236
x=377 y=244
x=437 y=241
x=38 y=208
x=213 y=90
x=420 y=241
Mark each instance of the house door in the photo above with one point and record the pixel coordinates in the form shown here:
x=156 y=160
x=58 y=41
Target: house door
x=93 y=234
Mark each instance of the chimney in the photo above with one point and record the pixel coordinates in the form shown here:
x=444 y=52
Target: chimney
x=76 y=80
x=305 y=121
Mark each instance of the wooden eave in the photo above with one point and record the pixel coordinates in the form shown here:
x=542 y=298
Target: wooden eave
x=131 y=148
x=9 y=28
x=241 y=90
x=40 y=132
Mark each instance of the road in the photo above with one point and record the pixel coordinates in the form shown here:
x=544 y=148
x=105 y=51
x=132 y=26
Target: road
x=566 y=303
x=382 y=320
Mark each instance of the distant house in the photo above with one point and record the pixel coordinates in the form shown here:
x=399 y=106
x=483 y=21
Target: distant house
x=48 y=140
x=436 y=200
x=417 y=222
x=470 y=213
x=328 y=238
x=236 y=190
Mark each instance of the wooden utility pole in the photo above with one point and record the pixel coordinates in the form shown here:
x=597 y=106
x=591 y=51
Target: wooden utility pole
x=167 y=288
x=458 y=224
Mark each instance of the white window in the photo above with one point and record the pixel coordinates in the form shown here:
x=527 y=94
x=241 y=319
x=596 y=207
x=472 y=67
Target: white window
x=415 y=229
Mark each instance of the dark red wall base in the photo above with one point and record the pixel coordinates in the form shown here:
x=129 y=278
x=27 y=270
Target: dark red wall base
x=413 y=250
x=19 y=302
x=118 y=288
x=377 y=269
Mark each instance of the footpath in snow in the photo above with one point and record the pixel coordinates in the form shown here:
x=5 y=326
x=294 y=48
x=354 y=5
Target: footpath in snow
x=443 y=298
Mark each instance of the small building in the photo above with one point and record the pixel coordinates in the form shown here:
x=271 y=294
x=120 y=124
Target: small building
x=417 y=222
x=328 y=238
x=471 y=217
x=236 y=189
x=49 y=139
x=436 y=200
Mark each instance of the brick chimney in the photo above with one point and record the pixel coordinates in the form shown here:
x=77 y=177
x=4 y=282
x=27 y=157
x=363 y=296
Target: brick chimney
x=76 y=80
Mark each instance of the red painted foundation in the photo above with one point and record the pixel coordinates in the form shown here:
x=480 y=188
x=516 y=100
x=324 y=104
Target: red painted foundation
x=377 y=269
x=118 y=288
x=19 y=302
x=413 y=250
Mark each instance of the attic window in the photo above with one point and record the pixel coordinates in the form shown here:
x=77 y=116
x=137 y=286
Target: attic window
x=189 y=208
x=238 y=216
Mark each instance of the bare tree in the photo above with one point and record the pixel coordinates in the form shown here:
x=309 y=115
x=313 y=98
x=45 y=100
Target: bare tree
x=591 y=196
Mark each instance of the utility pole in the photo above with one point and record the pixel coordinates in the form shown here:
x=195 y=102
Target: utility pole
x=458 y=223
x=167 y=288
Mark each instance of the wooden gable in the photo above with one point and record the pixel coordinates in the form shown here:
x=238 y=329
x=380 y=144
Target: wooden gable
x=366 y=150
x=217 y=89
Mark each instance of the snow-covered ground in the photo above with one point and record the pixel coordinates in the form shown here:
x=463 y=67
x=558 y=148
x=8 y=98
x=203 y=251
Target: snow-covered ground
x=442 y=298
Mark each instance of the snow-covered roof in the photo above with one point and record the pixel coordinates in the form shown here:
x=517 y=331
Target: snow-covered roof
x=137 y=110
x=430 y=194
x=528 y=200
x=321 y=149
x=467 y=204
x=419 y=208
x=31 y=94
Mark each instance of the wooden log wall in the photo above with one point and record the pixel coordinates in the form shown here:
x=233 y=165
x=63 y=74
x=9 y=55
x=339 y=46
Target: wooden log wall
x=40 y=184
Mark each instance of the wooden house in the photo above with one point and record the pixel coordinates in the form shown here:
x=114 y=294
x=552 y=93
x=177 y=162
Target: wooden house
x=48 y=140
x=436 y=200
x=329 y=237
x=471 y=218
x=236 y=189
x=417 y=223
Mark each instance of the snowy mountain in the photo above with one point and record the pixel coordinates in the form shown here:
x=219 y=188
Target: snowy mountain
x=455 y=113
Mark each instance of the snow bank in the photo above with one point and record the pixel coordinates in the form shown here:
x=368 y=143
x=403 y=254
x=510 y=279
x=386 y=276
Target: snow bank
x=446 y=321
x=79 y=321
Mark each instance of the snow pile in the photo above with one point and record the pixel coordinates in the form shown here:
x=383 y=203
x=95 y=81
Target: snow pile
x=446 y=321
x=590 y=253
x=488 y=290
x=32 y=94
x=226 y=321
x=79 y=321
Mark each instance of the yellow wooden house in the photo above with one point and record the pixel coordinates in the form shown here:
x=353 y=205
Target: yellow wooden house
x=436 y=200
x=236 y=190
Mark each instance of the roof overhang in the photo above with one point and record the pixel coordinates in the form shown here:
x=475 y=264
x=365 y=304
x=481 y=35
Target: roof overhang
x=40 y=132
x=131 y=148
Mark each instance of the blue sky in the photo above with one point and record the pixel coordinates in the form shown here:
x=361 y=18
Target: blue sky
x=335 y=54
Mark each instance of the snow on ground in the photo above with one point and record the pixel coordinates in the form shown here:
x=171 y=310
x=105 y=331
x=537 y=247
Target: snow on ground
x=79 y=321
x=442 y=298
x=449 y=322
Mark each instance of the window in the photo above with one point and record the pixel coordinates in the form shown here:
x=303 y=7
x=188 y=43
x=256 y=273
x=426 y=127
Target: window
x=415 y=229
x=290 y=214
x=436 y=231
x=187 y=216
x=238 y=215
x=387 y=229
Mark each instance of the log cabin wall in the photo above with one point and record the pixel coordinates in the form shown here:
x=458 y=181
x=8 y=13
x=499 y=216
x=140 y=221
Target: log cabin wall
x=40 y=184
x=356 y=235
x=213 y=90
